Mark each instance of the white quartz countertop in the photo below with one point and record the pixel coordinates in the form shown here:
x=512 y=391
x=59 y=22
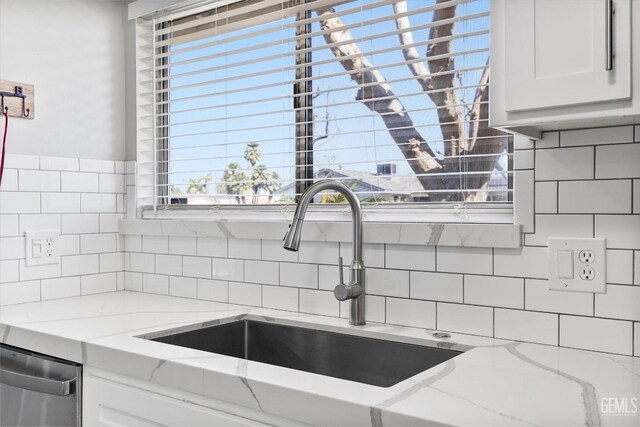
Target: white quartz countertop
x=496 y=382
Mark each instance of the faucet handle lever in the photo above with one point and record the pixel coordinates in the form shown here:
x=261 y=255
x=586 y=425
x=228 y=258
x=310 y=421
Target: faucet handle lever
x=340 y=270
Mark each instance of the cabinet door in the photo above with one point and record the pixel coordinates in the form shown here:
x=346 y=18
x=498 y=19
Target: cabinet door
x=107 y=403
x=556 y=53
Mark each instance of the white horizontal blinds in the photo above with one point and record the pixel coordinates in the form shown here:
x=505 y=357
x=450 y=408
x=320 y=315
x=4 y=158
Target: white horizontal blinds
x=400 y=102
x=256 y=99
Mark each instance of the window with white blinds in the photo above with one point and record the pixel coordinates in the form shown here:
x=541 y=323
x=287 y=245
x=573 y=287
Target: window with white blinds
x=249 y=102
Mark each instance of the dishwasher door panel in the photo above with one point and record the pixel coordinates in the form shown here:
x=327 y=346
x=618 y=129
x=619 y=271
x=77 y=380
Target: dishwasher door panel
x=38 y=390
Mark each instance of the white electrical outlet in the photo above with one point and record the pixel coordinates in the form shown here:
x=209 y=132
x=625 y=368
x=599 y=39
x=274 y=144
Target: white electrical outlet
x=577 y=265
x=42 y=247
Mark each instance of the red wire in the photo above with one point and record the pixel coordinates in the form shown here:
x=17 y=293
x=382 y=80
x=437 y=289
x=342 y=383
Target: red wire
x=4 y=144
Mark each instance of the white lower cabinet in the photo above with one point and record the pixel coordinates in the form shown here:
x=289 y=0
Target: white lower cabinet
x=113 y=403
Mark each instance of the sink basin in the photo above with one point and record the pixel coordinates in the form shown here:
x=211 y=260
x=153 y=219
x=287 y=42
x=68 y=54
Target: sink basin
x=371 y=361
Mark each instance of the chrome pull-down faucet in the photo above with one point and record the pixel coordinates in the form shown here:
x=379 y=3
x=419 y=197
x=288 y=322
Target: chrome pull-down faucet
x=355 y=289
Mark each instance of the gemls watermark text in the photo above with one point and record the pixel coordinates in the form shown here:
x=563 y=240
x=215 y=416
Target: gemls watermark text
x=619 y=405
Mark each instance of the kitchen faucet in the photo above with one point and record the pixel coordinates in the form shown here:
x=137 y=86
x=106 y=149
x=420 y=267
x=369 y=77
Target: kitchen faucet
x=355 y=289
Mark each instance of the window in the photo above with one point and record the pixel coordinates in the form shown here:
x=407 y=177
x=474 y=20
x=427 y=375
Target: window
x=249 y=102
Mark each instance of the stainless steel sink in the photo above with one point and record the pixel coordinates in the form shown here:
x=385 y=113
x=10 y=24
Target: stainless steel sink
x=366 y=360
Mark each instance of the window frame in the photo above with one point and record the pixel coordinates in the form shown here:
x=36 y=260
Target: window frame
x=415 y=212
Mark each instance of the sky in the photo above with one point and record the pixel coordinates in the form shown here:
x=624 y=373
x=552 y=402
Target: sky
x=228 y=117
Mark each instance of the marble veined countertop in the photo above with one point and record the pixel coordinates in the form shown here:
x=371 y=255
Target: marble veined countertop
x=495 y=382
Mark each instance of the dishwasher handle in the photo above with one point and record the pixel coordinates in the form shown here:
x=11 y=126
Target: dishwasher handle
x=52 y=386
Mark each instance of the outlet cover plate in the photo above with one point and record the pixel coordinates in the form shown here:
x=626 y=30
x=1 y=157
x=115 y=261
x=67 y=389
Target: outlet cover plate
x=42 y=247
x=576 y=246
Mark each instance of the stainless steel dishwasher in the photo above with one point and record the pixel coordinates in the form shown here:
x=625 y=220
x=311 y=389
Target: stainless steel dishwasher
x=38 y=390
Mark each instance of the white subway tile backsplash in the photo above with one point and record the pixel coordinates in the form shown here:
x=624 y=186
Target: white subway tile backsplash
x=636 y=268
x=155 y=244
x=12 y=202
x=494 y=291
x=196 y=267
x=111 y=183
x=299 y=275
x=559 y=226
x=436 y=286
x=272 y=250
x=132 y=243
x=464 y=260
x=39 y=271
x=621 y=231
x=80 y=264
x=10 y=180
x=80 y=223
x=111 y=262
x=596 y=136
x=133 y=281
x=636 y=339
x=546 y=197
x=323 y=303
x=155 y=284
x=9 y=271
x=618 y=161
x=169 y=264
x=62 y=287
x=60 y=202
x=610 y=196
x=97 y=243
x=11 y=248
x=410 y=257
x=208 y=246
x=588 y=333
x=186 y=287
x=38 y=222
x=564 y=163
x=538 y=297
x=393 y=283
x=280 y=298
x=636 y=196
x=19 y=292
x=69 y=244
x=526 y=326
x=522 y=142
x=245 y=294
x=109 y=222
x=523 y=200
x=523 y=262
x=33 y=180
x=319 y=252
x=179 y=245
x=142 y=263
x=620 y=267
x=98 y=283
x=413 y=313
x=99 y=202
x=620 y=302
x=21 y=161
x=92 y=165
x=227 y=269
x=59 y=163
x=245 y=248
x=213 y=290
x=265 y=272
x=9 y=225
x=79 y=182
x=549 y=140
x=466 y=319
x=372 y=253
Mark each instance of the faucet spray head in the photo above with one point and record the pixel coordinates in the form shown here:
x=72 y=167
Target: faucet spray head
x=292 y=238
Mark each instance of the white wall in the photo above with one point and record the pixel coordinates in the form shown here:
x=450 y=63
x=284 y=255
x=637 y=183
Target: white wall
x=73 y=51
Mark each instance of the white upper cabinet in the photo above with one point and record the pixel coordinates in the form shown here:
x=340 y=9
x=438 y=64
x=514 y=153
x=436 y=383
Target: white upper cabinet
x=558 y=64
